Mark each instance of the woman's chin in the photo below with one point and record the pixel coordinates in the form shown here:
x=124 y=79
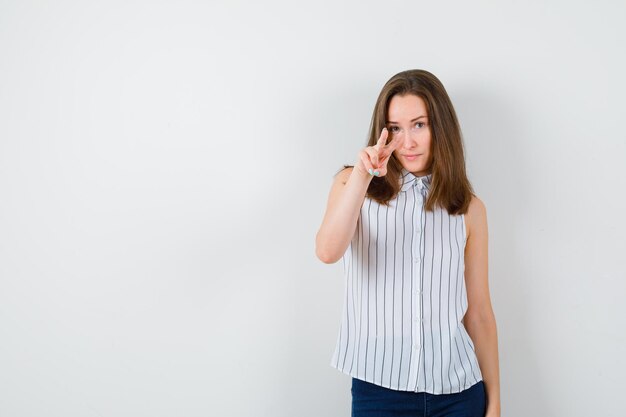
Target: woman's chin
x=416 y=168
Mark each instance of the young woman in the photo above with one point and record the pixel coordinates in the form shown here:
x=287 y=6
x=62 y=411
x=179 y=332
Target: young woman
x=418 y=333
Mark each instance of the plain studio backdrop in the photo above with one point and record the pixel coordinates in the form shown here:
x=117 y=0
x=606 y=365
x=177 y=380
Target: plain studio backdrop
x=164 y=167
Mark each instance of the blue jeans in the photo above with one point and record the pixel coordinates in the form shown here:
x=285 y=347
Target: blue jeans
x=370 y=400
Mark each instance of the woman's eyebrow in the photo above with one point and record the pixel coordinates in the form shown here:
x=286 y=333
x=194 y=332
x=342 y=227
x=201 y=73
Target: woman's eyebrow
x=417 y=118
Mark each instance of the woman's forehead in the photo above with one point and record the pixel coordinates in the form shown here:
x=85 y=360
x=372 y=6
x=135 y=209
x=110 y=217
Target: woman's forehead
x=406 y=107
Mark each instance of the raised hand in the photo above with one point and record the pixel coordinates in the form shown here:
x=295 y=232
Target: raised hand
x=373 y=159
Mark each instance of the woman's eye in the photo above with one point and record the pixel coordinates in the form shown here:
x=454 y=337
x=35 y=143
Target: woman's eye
x=420 y=124
x=393 y=129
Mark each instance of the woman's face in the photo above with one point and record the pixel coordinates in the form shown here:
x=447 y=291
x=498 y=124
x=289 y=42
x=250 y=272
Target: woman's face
x=407 y=118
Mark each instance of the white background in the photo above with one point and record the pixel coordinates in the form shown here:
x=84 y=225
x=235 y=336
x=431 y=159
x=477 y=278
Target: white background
x=164 y=167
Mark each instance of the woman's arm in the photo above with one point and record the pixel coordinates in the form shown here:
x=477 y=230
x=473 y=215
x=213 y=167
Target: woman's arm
x=479 y=320
x=342 y=212
x=347 y=195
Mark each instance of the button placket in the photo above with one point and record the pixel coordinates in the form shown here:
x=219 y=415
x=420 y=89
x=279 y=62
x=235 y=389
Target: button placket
x=417 y=261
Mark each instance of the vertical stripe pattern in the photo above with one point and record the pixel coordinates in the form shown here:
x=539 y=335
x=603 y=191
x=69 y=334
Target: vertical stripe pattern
x=405 y=297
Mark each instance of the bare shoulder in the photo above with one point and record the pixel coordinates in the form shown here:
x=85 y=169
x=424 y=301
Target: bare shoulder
x=476 y=206
x=343 y=175
x=476 y=216
x=339 y=181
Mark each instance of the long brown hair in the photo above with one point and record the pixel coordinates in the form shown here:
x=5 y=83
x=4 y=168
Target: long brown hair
x=450 y=188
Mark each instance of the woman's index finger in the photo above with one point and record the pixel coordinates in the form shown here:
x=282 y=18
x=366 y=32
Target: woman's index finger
x=382 y=139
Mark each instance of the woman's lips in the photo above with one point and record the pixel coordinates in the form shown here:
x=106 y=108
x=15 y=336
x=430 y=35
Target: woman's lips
x=411 y=157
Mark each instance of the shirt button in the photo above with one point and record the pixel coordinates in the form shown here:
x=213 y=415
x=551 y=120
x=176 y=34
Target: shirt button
x=416 y=320
x=416 y=260
x=416 y=347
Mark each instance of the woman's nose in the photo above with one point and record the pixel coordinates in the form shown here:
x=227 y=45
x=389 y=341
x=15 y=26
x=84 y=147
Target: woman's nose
x=410 y=140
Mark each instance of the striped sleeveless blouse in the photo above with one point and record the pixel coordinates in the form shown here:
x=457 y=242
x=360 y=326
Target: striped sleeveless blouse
x=405 y=297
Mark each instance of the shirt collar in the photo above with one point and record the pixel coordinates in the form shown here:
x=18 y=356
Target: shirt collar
x=409 y=180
